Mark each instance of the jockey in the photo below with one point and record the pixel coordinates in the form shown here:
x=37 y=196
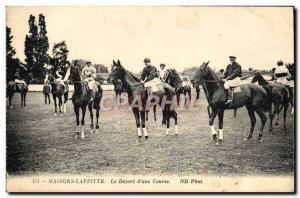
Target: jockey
x=89 y=75
x=150 y=76
x=17 y=76
x=231 y=76
x=282 y=74
x=185 y=79
x=162 y=71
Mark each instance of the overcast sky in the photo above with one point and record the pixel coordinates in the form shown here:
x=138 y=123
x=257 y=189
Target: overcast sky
x=177 y=36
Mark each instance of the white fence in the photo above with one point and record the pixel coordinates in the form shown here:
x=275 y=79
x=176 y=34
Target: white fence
x=34 y=88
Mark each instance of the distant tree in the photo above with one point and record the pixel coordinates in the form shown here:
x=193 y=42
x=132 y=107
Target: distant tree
x=101 y=68
x=59 y=56
x=11 y=62
x=36 y=47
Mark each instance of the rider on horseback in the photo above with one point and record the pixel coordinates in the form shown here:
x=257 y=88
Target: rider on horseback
x=231 y=77
x=150 y=76
x=89 y=75
x=282 y=74
x=18 y=76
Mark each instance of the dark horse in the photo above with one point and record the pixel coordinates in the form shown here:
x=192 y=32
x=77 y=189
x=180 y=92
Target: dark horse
x=82 y=98
x=137 y=96
x=278 y=95
x=174 y=80
x=59 y=91
x=13 y=87
x=252 y=96
x=46 y=92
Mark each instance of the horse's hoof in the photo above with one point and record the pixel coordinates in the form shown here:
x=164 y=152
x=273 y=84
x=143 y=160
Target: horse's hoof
x=215 y=138
x=260 y=138
x=140 y=139
x=276 y=123
x=249 y=137
x=146 y=139
x=220 y=141
x=97 y=127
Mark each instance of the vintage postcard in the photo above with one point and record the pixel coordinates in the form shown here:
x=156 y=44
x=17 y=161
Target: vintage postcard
x=150 y=99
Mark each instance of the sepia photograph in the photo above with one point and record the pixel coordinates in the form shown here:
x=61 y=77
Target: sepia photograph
x=150 y=99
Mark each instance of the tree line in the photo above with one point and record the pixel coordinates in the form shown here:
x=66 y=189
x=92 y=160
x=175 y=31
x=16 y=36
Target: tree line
x=36 y=54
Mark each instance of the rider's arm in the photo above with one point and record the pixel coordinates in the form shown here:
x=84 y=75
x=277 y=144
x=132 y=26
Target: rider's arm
x=225 y=75
x=93 y=74
x=143 y=76
x=57 y=73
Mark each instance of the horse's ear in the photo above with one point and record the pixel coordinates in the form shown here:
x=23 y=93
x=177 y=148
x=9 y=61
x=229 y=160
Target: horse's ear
x=119 y=62
x=207 y=63
x=114 y=62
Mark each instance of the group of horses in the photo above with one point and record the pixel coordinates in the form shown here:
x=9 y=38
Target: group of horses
x=261 y=98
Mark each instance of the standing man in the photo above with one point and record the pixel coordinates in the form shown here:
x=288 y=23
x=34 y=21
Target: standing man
x=89 y=75
x=231 y=77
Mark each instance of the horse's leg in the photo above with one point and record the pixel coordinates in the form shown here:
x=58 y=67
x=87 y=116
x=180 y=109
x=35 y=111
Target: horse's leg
x=60 y=104
x=147 y=112
x=221 y=116
x=144 y=126
x=291 y=98
x=22 y=98
x=49 y=99
x=55 y=104
x=167 y=122
x=284 y=115
x=211 y=125
x=136 y=114
x=65 y=102
x=175 y=119
x=154 y=112
x=190 y=95
x=97 y=117
x=76 y=109
x=91 y=116
x=164 y=118
x=9 y=99
x=271 y=118
x=278 y=112
x=198 y=93
x=252 y=119
x=208 y=111
x=263 y=119
x=178 y=98
x=83 y=109
x=184 y=98
x=24 y=102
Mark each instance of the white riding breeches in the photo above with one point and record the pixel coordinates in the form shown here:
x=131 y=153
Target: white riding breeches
x=20 y=81
x=153 y=84
x=284 y=81
x=232 y=83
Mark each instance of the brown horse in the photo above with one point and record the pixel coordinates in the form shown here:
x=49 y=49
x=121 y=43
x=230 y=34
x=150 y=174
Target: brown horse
x=13 y=87
x=252 y=96
x=278 y=95
x=46 y=92
x=60 y=92
x=138 y=98
x=82 y=99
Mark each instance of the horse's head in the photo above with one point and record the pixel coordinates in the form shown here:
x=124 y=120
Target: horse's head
x=260 y=79
x=200 y=75
x=74 y=74
x=173 y=78
x=117 y=72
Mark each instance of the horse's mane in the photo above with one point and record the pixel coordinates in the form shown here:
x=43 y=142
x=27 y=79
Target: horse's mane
x=213 y=74
x=132 y=75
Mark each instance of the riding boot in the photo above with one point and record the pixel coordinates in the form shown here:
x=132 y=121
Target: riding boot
x=229 y=95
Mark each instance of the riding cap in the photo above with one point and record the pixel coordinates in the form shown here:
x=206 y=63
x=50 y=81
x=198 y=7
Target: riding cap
x=162 y=65
x=280 y=62
x=147 y=60
x=232 y=57
x=87 y=62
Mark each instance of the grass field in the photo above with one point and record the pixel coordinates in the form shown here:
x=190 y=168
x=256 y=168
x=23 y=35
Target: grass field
x=39 y=142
